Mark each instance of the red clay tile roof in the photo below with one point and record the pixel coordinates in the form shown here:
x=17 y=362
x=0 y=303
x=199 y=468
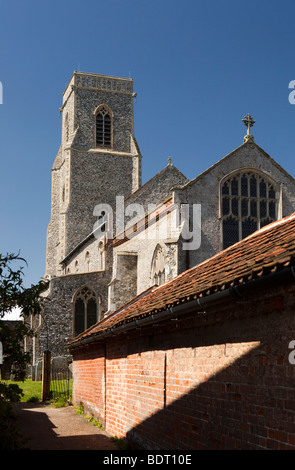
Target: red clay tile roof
x=268 y=250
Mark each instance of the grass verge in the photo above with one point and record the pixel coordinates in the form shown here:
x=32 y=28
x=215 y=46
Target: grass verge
x=31 y=390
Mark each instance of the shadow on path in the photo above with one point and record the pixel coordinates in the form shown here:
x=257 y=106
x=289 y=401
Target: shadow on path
x=46 y=428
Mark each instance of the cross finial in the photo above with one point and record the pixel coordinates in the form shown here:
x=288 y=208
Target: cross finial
x=169 y=161
x=248 y=121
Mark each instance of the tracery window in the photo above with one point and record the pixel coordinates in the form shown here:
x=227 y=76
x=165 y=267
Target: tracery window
x=158 y=266
x=249 y=201
x=85 y=310
x=103 y=127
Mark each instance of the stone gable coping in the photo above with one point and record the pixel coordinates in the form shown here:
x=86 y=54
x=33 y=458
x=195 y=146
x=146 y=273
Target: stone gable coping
x=251 y=144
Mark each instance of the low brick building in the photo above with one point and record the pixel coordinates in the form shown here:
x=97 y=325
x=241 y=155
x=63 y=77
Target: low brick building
x=204 y=360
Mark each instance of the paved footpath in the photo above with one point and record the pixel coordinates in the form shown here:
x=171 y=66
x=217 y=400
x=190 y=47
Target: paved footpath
x=47 y=428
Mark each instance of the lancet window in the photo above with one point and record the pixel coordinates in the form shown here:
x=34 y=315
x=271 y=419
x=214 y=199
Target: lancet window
x=103 y=127
x=101 y=256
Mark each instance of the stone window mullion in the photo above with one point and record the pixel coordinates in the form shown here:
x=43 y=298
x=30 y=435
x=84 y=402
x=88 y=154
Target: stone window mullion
x=249 y=200
x=85 y=310
x=103 y=127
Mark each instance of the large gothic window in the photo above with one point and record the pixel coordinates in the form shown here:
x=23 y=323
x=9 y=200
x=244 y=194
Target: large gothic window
x=103 y=127
x=249 y=201
x=158 y=266
x=85 y=310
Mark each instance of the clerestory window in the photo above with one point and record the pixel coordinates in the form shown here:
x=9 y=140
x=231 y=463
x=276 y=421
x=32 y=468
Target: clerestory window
x=101 y=256
x=103 y=127
x=249 y=201
x=85 y=310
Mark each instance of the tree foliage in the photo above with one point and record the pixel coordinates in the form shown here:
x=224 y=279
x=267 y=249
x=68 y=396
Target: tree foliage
x=13 y=295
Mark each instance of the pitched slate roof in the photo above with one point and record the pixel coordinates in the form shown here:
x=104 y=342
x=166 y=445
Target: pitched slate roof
x=146 y=186
x=266 y=251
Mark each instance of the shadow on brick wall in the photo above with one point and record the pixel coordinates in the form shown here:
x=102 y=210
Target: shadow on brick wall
x=245 y=397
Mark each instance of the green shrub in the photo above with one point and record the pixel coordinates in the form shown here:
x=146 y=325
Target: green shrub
x=59 y=402
x=10 y=392
x=10 y=439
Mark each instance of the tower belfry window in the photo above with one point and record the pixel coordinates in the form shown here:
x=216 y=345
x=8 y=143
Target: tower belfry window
x=249 y=201
x=103 y=127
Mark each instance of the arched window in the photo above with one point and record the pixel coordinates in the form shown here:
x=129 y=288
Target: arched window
x=103 y=127
x=101 y=256
x=76 y=266
x=101 y=220
x=85 y=310
x=158 y=266
x=249 y=201
x=87 y=261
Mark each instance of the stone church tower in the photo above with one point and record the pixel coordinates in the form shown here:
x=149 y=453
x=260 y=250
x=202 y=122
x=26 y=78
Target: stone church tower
x=98 y=159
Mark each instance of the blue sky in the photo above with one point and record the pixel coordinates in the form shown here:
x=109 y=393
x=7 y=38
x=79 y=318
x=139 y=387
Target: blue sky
x=198 y=67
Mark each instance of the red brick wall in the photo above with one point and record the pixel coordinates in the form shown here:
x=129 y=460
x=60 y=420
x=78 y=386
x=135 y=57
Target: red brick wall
x=116 y=373
x=89 y=380
x=221 y=380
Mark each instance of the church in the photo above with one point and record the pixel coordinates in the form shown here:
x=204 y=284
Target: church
x=112 y=239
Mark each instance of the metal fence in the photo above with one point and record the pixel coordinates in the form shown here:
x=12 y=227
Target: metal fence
x=60 y=382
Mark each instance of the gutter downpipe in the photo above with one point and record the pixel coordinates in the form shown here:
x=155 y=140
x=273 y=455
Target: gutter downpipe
x=236 y=292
